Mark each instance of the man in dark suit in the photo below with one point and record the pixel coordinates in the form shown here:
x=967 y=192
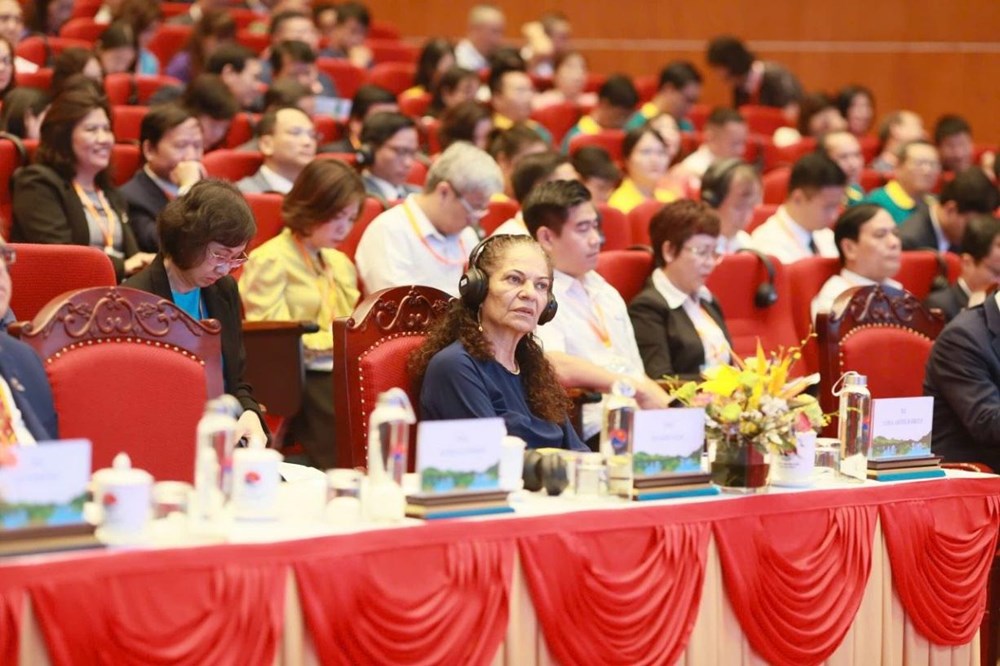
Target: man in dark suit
x=389 y=145
x=22 y=377
x=172 y=148
x=940 y=225
x=287 y=140
x=980 y=268
x=963 y=377
x=370 y=99
x=753 y=81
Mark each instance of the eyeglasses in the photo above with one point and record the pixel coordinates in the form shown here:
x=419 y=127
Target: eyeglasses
x=230 y=262
x=470 y=210
x=703 y=252
x=401 y=151
x=8 y=254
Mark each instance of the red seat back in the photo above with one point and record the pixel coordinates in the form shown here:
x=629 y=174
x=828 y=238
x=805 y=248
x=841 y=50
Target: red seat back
x=869 y=147
x=125 y=161
x=41 y=79
x=609 y=140
x=393 y=76
x=761 y=212
x=127 y=88
x=393 y=51
x=255 y=41
x=763 y=119
x=615 y=228
x=625 y=270
x=35 y=283
x=370 y=209
x=638 y=221
x=698 y=115
x=806 y=277
x=776 y=185
x=169 y=38
x=497 y=213
x=127 y=122
x=232 y=165
x=413 y=105
x=86 y=29
x=86 y=8
x=871 y=179
x=327 y=129
x=41 y=50
x=383 y=30
x=266 y=209
x=786 y=156
x=647 y=86
x=347 y=77
x=10 y=159
x=918 y=269
x=558 y=119
x=240 y=130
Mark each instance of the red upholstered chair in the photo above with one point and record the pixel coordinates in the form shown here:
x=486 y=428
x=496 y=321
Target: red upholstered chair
x=371 y=349
x=347 y=77
x=242 y=16
x=776 y=185
x=414 y=106
x=698 y=115
x=266 y=209
x=871 y=179
x=125 y=161
x=615 y=227
x=370 y=209
x=240 y=130
x=393 y=51
x=172 y=9
x=255 y=41
x=169 y=38
x=805 y=278
x=884 y=334
x=394 y=76
x=417 y=174
x=558 y=119
x=383 y=30
x=86 y=29
x=130 y=372
x=785 y=156
x=869 y=147
x=232 y=165
x=431 y=128
x=734 y=282
x=127 y=122
x=609 y=140
x=35 y=283
x=327 y=129
x=41 y=50
x=12 y=155
x=497 y=213
x=638 y=220
x=763 y=119
x=41 y=79
x=954 y=263
x=86 y=8
x=760 y=214
x=134 y=88
x=626 y=270
x=646 y=85
x=918 y=269
x=594 y=81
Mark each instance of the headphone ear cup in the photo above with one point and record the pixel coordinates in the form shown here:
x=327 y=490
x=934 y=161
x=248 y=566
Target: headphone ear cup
x=549 y=313
x=364 y=156
x=472 y=288
x=765 y=296
x=709 y=197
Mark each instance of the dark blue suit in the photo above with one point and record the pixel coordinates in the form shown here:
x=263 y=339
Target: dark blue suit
x=22 y=370
x=963 y=376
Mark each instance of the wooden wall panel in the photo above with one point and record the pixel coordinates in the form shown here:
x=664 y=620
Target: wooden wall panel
x=926 y=55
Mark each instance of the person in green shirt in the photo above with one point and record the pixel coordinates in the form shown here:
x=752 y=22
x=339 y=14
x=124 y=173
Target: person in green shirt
x=680 y=89
x=916 y=175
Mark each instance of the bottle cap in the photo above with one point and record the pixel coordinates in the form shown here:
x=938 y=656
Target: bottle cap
x=854 y=379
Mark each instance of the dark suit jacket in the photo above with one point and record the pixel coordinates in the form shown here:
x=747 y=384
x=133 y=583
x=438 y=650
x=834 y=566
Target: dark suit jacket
x=963 y=376
x=779 y=87
x=145 y=200
x=668 y=342
x=949 y=301
x=24 y=373
x=917 y=232
x=47 y=210
x=222 y=302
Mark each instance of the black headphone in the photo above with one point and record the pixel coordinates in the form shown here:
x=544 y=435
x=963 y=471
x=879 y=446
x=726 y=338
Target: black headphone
x=766 y=294
x=475 y=284
x=716 y=181
x=940 y=280
x=364 y=156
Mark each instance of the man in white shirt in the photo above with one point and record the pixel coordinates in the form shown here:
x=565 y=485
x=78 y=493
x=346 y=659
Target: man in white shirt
x=590 y=342
x=870 y=253
x=287 y=139
x=801 y=226
x=389 y=146
x=12 y=27
x=427 y=239
x=725 y=137
x=484 y=36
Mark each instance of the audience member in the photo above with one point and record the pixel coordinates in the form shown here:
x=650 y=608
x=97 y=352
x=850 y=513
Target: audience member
x=590 y=341
x=45 y=17
x=11 y=30
x=171 y=144
x=569 y=83
x=209 y=100
x=508 y=146
x=733 y=188
x=301 y=276
x=679 y=327
x=753 y=81
x=368 y=100
x=953 y=138
x=73 y=61
x=916 y=174
x=22 y=112
x=843 y=148
x=801 y=226
x=818 y=115
x=346 y=39
x=66 y=195
x=598 y=172
x=980 y=268
x=680 y=89
x=870 y=253
x=895 y=131
x=481 y=359
x=455 y=86
x=725 y=137
x=426 y=240
x=7 y=80
x=288 y=92
x=647 y=157
x=857 y=105
x=616 y=102
x=287 y=140
x=116 y=49
x=295 y=25
x=511 y=94
x=214 y=28
x=198 y=10
x=467 y=121
x=530 y=172
x=295 y=60
x=940 y=225
x=239 y=69
x=145 y=18
x=390 y=145
x=203 y=237
x=436 y=57
x=548 y=40
x=483 y=36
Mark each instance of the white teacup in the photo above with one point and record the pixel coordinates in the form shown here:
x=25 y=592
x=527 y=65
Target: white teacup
x=124 y=497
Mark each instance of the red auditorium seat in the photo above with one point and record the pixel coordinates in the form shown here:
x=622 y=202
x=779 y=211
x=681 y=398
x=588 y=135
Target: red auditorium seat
x=871 y=179
x=763 y=120
x=125 y=161
x=869 y=147
x=10 y=159
x=172 y=9
x=559 y=119
x=431 y=127
x=86 y=8
x=615 y=228
x=383 y=30
x=241 y=129
x=327 y=129
x=638 y=221
x=127 y=122
x=918 y=270
x=698 y=115
x=255 y=41
x=786 y=156
x=775 y=185
x=134 y=88
x=347 y=77
x=393 y=76
x=232 y=165
x=86 y=29
x=497 y=213
x=413 y=105
x=35 y=283
x=41 y=50
x=594 y=82
x=760 y=214
x=626 y=270
x=371 y=209
x=609 y=140
x=169 y=38
x=42 y=79
x=805 y=278
x=647 y=86
x=266 y=209
x=392 y=50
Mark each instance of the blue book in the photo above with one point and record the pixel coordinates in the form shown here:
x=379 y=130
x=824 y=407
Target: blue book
x=908 y=476
x=670 y=494
x=466 y=513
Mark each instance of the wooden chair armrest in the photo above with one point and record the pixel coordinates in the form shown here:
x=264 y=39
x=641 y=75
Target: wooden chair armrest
x=969 y=467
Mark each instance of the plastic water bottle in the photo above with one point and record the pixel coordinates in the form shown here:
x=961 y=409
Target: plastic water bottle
x=215 y=441
x=616 y=437
x=855 y=425
x=389 y=435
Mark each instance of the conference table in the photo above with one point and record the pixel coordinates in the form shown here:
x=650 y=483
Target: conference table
x=891 y=573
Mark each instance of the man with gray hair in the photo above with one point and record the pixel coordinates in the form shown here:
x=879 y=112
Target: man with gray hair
x=427 y=239
x=484 y=36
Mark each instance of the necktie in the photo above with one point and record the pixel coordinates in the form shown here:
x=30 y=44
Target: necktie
x=812 y=246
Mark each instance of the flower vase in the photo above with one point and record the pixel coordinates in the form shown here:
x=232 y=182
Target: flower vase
x=738 y=465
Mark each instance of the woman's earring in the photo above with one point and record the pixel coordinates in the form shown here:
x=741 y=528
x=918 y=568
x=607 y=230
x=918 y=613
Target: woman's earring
x=479 y=318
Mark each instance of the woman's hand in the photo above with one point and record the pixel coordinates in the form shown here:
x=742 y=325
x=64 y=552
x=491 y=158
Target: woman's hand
x=249 y=426
x=138 y=261
x=650 y=395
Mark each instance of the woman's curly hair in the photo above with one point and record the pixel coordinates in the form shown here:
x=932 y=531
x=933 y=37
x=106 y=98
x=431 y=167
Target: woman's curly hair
x=544 y=395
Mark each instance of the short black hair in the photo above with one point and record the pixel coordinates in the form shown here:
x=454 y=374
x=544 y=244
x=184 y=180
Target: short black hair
x=679 y=74
x=233 y=55
x=285 y=92
x=353 y=10
x=532 y=170
x=368 y=96
x=972 y=192
x=949 y=125
x=721 y=115
x=295 y=51
x=619 y=91
x=634 y=135
x=511 y=141
x=382 y=126
x=848 y=225
x=286 y=15
x=980 y=232
x=501 y=70
x=548 y=205
x=816 y=171
x=117 y=35
x=207 y=95
x=161 y=119
x=596 y=162
x=845 y=97
x=729 y=53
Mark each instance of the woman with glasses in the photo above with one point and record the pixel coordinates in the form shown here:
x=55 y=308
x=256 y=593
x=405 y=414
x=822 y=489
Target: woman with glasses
x=678 y=325
x=203 y=237
x=66 y=196
x=301 y=276
x=647 y=156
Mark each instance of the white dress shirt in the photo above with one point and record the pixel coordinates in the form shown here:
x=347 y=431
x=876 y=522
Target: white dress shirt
x=515 y=226
x=402 y=247
x=467 y=57
x=699 y=161
x=21 y=432
x=781 y=237
x=713 y=339
x=740 y=240
x=838 y=284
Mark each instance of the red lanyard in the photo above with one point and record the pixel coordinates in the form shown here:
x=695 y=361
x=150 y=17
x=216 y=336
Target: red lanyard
x=416 y=229
x=107 y=228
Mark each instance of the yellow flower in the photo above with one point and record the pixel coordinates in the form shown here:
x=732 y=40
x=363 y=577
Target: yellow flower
x=731 y=413
x=722 y=380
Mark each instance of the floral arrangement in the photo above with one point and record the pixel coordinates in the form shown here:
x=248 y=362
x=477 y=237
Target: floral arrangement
x=754 y=399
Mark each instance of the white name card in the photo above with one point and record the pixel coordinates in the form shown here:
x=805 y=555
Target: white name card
x=668 y=440
x=44 y=484
x=901 y=427
x=462 y=454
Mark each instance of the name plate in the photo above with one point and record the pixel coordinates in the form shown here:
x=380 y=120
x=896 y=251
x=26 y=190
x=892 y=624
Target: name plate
x=668 y=441
x=459 y=455
x=44 y=485
x=901 y=428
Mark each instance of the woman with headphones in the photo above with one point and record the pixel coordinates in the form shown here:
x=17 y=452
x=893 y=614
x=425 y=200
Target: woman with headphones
x=481 y=360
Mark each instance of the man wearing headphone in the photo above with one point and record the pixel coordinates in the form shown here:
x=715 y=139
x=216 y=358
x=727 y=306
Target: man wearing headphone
x=389 y=145
x=590 y=341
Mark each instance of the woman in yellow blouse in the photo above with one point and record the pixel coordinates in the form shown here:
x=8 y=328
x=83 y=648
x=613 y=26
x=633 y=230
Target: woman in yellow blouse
x=300 y=276
x=646 y=155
